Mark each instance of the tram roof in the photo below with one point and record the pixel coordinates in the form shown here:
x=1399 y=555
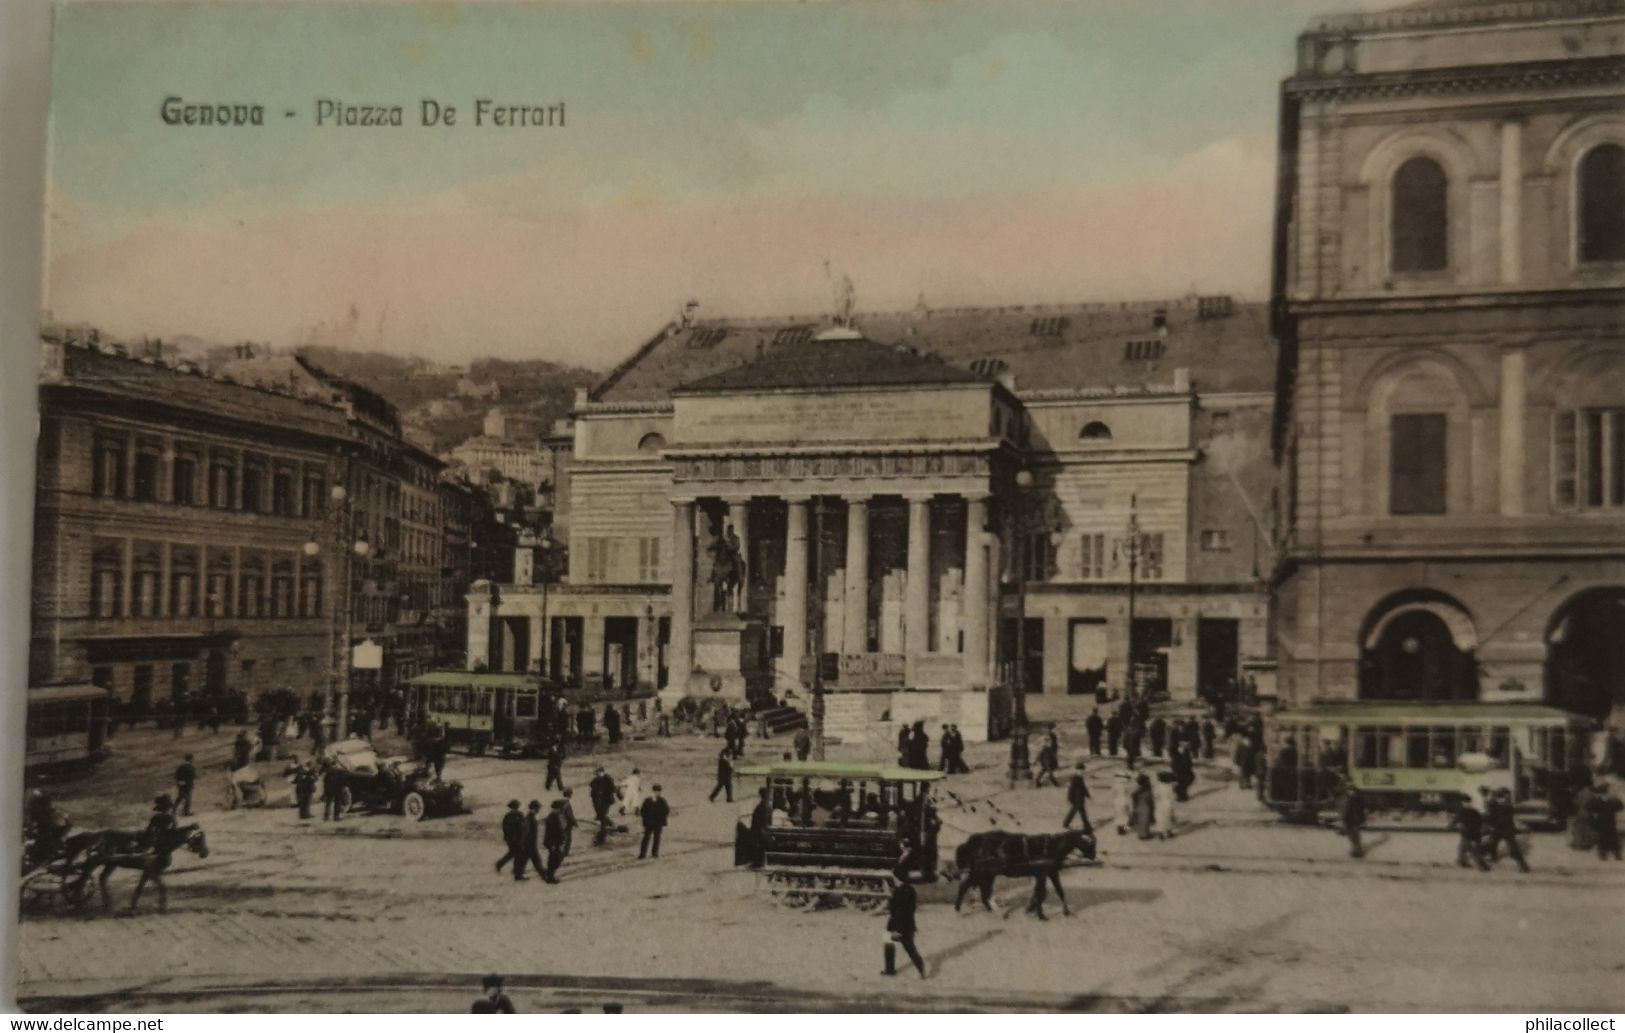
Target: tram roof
x=838 y=769
x=479 y=680
x=1427 y=713
x=52 y=693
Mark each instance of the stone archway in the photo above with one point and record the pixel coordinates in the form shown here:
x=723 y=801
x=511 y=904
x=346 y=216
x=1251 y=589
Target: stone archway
x=1585 y=653
x=1419 y=646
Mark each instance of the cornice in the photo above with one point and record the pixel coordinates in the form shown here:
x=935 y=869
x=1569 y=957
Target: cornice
x=1534 y=75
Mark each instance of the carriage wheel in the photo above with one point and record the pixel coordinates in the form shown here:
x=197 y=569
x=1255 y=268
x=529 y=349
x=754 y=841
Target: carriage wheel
x=346 y=799
x=413 y=806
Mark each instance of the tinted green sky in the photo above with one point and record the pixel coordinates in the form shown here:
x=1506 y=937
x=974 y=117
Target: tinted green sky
x=975 y=153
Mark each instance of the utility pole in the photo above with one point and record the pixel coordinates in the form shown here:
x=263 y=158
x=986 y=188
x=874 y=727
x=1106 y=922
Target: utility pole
x=817 y=630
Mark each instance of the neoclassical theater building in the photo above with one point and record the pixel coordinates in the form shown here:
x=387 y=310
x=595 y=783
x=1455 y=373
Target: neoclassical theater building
x=928 y=495
x=1450 y=300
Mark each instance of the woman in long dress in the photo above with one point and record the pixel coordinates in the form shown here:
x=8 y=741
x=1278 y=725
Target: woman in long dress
x=1123 y=801
x=1144 y=807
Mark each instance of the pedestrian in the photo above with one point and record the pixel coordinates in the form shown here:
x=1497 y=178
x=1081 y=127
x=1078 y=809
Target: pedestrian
x=725 y=777
x=1144 y=806
x=1114 y=732
x=900 y=924
x=1123 y=801
x=495 y=1002
x=304 y=788
x=1162 y=805
x=332 y=790
x=513 y=836
x=1243 y=756
x=1470 y=822
x=555 y=840
x=944 y=747
x=242 y=751
x=1353 y=816
x=533 y=839
x=612 y=723
x=1582 y=831
x=905 y=736
x=555 y=764
x=1048 y=760
x=919 y=748
x=958 y=766
x=1158 y=731
x=602 y=791
x=185 y=779
x=803 y=743
x=655 y=812
x=1131 y=744
x=631 y=791
x=761 y=818
x=1184 y=770
x=1094 y=726
x=1208 y=733
x=1603 y=811
x=1503 y=827
x=569 y=810
x=1077 y=799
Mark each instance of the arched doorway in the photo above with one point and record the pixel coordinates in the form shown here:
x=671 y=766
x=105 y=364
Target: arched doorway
x=1419 y=647
x=1585 y=653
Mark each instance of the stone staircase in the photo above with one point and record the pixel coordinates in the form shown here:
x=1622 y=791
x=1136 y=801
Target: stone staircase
x=783 y=720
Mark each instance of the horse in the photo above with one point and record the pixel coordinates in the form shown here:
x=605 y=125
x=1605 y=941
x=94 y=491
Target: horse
x=115 y=848
x=987 y=855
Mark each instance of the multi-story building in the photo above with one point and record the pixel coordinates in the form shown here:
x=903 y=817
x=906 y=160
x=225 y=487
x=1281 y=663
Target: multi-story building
x=522 y=461
x=1450 y=292
x=420 y=642
x=173 y=517
x=896 y=495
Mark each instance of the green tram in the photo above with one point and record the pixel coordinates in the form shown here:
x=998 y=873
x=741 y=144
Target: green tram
x=1420 y=756
x=513 y=714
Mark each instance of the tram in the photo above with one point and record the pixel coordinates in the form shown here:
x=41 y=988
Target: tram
x=837 y=830
x=67 y=726
x=513 y=714
x=1422 y=757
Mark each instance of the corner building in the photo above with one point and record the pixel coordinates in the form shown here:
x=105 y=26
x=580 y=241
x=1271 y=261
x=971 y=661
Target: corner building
x=1450 y=302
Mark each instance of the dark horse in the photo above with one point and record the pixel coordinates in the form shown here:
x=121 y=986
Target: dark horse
x=987 y=855
x=114 y=848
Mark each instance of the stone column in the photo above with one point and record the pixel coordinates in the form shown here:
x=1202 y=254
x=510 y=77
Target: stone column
x=917 y=592
x=794 y=620
x=974 y=614
x=1514 y=390
x=680 y=658
x=1511 y=203
x=739 y=517
x=855 y=633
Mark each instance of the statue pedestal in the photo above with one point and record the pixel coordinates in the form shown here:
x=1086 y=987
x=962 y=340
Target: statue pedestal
x=730 y=659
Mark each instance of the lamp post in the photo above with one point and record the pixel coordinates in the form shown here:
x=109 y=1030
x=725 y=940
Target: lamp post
x=350 y=548
x=544 y=550
x=1019 y=765
x=816 y=631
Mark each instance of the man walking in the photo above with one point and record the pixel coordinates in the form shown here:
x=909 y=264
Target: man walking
x=1094 y=726
x=725 y=777
x=569 y=811
x=513 y=834
x=332 y=786
x=1114 y=732
x=555 y=764
x=185 y=779
x=1158 y=730
x=602 y=791
x=555 y=839
x=612 y=723
x=1503 y=825
x=1470 y=821
x=957 y=765
x=803 y=743
x=1077 y=797
x=900 y=924
x=655 y=812
x=304 y=789
x=1353 y=814
x=533 y=839
x=631 y=791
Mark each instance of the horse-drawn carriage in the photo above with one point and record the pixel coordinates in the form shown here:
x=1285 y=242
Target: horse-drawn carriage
x=836 y=832
x=58 y=866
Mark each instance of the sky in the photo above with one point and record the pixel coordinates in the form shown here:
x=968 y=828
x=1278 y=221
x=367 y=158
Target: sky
x=733 y=154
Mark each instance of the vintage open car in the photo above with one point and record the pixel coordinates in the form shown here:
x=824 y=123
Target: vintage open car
x=837 y=831
x=399 y=785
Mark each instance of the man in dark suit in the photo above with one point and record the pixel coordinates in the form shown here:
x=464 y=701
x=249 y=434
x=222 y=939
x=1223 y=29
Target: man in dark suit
x=760 y=820
x=533 y=837
x=725 y=777
x=304 y=789
x=1094 y=726
x=513 y=834
x=332 y=786
x=655 y=812
x=1077 y=799
x=185 y=779
x=602 y=790
x=555 y=764
x=1470 y=821
x=900 y=923
x=1114 y=731
x=555 y=837
x=1503 y=826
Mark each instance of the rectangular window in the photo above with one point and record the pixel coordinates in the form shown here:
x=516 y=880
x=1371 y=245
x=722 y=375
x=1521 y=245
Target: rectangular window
x=107 y=477
x=183 y=582
x=648 y=559
x=1588 y=459
x=180 y=679
x=141 y=687
x=282 y=492
x=1038 y=555
x=1417 y=464
x=106 y=580
x=597 y=559
x=314 y=499
x=1215 y=541
x=1565 y=468
x=253 y=500
x=1151 y=556
x=222 y=482
x=1092 y=551
x=144 y=581
x=183 y=480
x=148 y=470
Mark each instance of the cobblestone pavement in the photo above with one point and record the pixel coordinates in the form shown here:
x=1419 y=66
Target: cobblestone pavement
x=1237 y=911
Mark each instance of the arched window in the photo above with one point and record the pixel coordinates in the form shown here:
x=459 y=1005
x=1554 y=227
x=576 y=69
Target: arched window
x=1602 y=204
x=651 y=442
x=1095 y=431
x=1420 y=217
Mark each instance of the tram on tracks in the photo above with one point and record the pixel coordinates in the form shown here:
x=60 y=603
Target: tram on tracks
x=837 y=831
x=1422 y=756
x=510 y=714
x=66 y=727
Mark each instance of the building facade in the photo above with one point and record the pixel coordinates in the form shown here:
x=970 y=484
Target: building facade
x=1088 y=487
x=1450 y=293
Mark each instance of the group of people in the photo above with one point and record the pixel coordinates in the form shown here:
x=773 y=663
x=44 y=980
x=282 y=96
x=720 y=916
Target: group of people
x=527 y=833
x=1132 y=727
x=914 y=749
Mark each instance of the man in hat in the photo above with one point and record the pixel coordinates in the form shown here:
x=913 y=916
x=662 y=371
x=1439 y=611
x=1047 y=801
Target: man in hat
x=513 y=835
x=555 y=764
x=900 y=924
x=332 y=787
x=1503 y=825
x=495 y=1002
x=555 y=840
x=1353 y=814
x=569 y=811
x=1077 y=798
x=1470 y=823
x=161 y=822
x=533 y=838
x=1094 y=726
x=185 y=779
x=725 y=777
x=602 y=789
x=304 y=788
x=655 y=812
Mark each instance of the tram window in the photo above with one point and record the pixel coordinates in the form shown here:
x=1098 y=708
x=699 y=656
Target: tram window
x=1471 y=740
x=1416 y=747
x=524 y=705
x=1444 y=747
x=1367 y=748
x=1393 y=747
x=480 y=703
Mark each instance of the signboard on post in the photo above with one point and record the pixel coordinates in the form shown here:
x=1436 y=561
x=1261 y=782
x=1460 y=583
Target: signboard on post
x=367 y=656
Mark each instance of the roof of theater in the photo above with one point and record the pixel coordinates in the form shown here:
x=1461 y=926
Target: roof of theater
x=1225 y=345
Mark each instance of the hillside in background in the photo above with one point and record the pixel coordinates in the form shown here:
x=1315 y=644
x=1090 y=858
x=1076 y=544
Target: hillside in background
x=451 y=402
